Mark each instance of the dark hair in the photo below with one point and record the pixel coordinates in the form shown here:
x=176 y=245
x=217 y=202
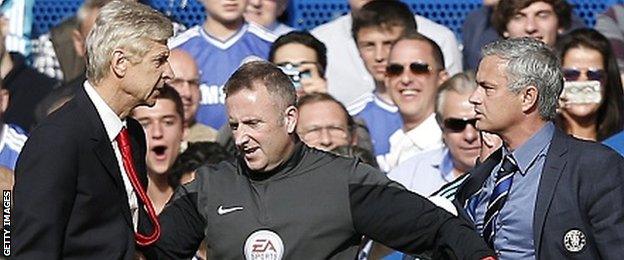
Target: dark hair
x=196 y=155
x=306 y=39
x=383 y=14
x=168 y=92
x=438 y=57
x=506 y=9
x=315 y=97
x=277 y=84
x=609 y=115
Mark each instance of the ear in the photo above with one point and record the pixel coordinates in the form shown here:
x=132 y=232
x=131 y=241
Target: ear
x=4 y=100
x=291 y=115
x=529 y=98
x=505 y=35
x=79 y=44
x=119 y=63
x=442 y=76
x=560 y=31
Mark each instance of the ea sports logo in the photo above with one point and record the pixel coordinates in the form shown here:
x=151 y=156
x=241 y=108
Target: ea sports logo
x=264 y=245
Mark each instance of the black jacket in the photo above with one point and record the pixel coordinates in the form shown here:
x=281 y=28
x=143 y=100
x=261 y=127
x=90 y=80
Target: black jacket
x=314 y=206
x=70 y=201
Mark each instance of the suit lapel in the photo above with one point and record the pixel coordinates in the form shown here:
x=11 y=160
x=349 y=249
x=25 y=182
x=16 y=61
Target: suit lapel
x=554 y=166
x=104 y=150
x=478 y=175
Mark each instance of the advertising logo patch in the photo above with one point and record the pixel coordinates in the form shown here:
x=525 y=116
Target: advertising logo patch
x=264 y=245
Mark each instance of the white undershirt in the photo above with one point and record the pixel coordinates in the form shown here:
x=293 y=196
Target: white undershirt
x=113 y=125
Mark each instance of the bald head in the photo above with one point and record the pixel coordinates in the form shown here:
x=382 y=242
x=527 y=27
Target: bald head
x=186 y=82
x=183 y=64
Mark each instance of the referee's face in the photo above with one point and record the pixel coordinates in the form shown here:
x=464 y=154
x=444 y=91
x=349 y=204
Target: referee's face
x=261 y=130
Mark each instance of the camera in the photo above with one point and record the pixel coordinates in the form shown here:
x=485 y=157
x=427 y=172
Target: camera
x=292 y=71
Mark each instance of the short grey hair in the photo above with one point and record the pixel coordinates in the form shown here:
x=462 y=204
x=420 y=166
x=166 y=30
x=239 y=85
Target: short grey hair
x=126 y=25
x=530 y=63
x=461 y=83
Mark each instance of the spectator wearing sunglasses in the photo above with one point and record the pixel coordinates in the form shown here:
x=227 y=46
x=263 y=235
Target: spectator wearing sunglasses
x=375 y=28
x=428 y=171
x=587 y=58
x=415 y=71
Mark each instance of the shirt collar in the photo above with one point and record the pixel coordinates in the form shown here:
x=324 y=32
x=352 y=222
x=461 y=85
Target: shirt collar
x=535 y=147
x=427 y=134
x=112 y=122
x=446 y=166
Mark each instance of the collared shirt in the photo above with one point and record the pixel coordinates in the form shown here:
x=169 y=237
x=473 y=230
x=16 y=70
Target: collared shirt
x=113 y=125
x=514 y=225
x=426 y=172
x=424 y=137
x=279 y=29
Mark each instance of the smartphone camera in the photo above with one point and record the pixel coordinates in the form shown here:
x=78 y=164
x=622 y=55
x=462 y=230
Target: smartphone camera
x=292 y=71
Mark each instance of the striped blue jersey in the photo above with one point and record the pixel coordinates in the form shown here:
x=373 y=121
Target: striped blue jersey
x=12 y=140
x=217 y=60
x=382 y=120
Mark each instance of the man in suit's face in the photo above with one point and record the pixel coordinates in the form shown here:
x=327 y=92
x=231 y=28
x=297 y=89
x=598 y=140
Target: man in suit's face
x=497 y=108
x=518 y=85
x=149 y=74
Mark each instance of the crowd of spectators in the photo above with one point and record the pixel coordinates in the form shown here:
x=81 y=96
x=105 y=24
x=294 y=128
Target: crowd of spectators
x=385 y=85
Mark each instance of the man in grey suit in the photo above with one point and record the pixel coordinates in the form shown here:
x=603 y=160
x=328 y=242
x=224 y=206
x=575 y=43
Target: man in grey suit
x=543 y=195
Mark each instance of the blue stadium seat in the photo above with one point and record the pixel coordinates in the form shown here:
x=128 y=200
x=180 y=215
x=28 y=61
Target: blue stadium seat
x=303 y=14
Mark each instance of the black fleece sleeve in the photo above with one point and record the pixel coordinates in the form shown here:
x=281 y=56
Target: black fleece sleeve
x=181 y=227
x=386 y=212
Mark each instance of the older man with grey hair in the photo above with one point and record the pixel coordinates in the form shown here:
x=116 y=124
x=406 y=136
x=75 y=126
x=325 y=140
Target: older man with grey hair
x=81 y=180
x=544 y=194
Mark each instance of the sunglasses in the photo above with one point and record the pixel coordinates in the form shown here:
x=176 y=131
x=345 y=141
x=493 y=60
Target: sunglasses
x=418 y=68
x=458 y=124
x=573 y=74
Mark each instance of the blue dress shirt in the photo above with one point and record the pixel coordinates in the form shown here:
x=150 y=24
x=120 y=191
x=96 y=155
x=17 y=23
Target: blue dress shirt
x=514 y=225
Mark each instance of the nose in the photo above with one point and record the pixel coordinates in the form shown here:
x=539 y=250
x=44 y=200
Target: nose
x=168 y=72
x=184 y=90
x=379 y=54
x=406 y=79
x=240 y=138
x=325 y=139
x=529 y=26
x=475 y=97
x=470 y=134
x=156 y=131
x=583 y=75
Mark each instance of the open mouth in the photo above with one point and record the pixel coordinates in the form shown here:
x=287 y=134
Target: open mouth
x=160 y=152
x=249 y=151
